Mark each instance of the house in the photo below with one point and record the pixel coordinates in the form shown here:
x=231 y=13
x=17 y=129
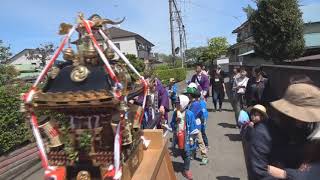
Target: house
x=243 y=53
x=312 y=37
x=128 y=43
x=131 y=43
x=21 y=59
x=28 y=72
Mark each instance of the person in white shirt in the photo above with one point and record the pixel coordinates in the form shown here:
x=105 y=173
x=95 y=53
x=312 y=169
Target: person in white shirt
x=239 y=86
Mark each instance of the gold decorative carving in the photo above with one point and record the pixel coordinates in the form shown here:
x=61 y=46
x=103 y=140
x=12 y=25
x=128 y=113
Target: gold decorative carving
x=79 y=73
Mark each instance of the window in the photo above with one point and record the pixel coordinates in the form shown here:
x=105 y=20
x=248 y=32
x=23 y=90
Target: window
x=118 y=45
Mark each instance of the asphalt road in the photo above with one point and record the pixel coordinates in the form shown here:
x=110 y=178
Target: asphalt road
x=226 y=160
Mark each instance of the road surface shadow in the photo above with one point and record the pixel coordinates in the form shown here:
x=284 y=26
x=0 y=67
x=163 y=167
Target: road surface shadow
x=227 y=178
x=177 y=166
x=226 y=110
x=234 y=137
x=227 y=125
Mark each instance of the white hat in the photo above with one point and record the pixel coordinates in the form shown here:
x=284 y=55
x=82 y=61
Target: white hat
x=184 y=101
x=193 y=85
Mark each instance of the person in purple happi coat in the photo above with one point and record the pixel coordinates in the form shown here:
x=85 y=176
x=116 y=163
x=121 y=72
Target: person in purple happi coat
x=155 y=87
x=202 y=81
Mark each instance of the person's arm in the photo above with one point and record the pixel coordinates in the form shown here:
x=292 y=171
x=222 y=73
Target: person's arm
x=175 y=90
x=223 y=84
x=173 y=121
x=286 y=173
x=193 y=78
x=206 y=83
x=234 y=85
x=277 y=172
x=260 y=150
x=164 y=99
x=266 y=94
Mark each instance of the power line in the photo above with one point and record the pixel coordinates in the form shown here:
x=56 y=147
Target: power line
x=216 y=10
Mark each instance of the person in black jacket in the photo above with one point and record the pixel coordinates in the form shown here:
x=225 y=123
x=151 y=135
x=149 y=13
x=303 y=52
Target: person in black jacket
x=218 y=88
x=256 y=88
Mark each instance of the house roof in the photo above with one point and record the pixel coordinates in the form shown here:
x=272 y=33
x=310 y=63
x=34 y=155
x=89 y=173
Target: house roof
x=13 y=58
x=241 y=26
x=306 y=58
x=116 y=32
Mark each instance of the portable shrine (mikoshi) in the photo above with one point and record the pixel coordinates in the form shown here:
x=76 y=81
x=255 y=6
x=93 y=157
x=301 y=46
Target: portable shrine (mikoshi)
x=80 y=116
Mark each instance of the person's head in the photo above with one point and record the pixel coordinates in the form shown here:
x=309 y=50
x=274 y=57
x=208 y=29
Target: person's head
x=198 y=69
x=182 y=102
x=257 y=71
x=299 y=108
x=218 y=67
x=192 y=93
x=258 y=113
x=172 y=81
x=152 y=83
x=236 y=70
x=243 y=72
x=300 y=78
x=204 y=68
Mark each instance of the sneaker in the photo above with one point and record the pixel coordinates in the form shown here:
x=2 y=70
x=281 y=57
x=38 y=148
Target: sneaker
x=204 y=161
x=220 y=110
x=187 y=174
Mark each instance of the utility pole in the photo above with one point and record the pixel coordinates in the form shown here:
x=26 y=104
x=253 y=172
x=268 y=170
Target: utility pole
x=172 y=32
x=181 y=42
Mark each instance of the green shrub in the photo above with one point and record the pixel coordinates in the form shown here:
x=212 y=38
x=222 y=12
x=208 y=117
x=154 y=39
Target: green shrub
x=179 y=74
x=13 y=127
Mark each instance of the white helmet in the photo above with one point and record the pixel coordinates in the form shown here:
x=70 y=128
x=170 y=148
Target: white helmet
x=193 y=85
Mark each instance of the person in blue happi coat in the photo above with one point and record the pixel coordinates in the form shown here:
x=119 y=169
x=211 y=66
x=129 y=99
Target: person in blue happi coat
x=183 y=125
x=173 y=92
x=195 y=106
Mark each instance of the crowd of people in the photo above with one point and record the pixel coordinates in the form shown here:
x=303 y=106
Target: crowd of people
x=281 y=138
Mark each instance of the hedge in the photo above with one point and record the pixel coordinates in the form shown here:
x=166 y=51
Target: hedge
x=13 y=127
x=179 y=74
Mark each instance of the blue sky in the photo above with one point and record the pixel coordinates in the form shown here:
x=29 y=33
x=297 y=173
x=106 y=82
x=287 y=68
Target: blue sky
x=28 y=23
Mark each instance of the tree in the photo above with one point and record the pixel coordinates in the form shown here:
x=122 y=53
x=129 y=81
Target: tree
x=248 y=10
x=169 y=59
x=4 y=52
x=14 y=130
x=217 y=47
x=195 y=53
x=42 y=53
x=278 y=29
x=7 y=74
x=136 y=62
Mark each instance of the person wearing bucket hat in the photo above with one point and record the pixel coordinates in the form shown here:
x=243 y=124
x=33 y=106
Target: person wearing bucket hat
x=173 y=91
x=300 y=106
x=258 y=113
x=183 y=124
x=301 y=102
x=260 y=139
